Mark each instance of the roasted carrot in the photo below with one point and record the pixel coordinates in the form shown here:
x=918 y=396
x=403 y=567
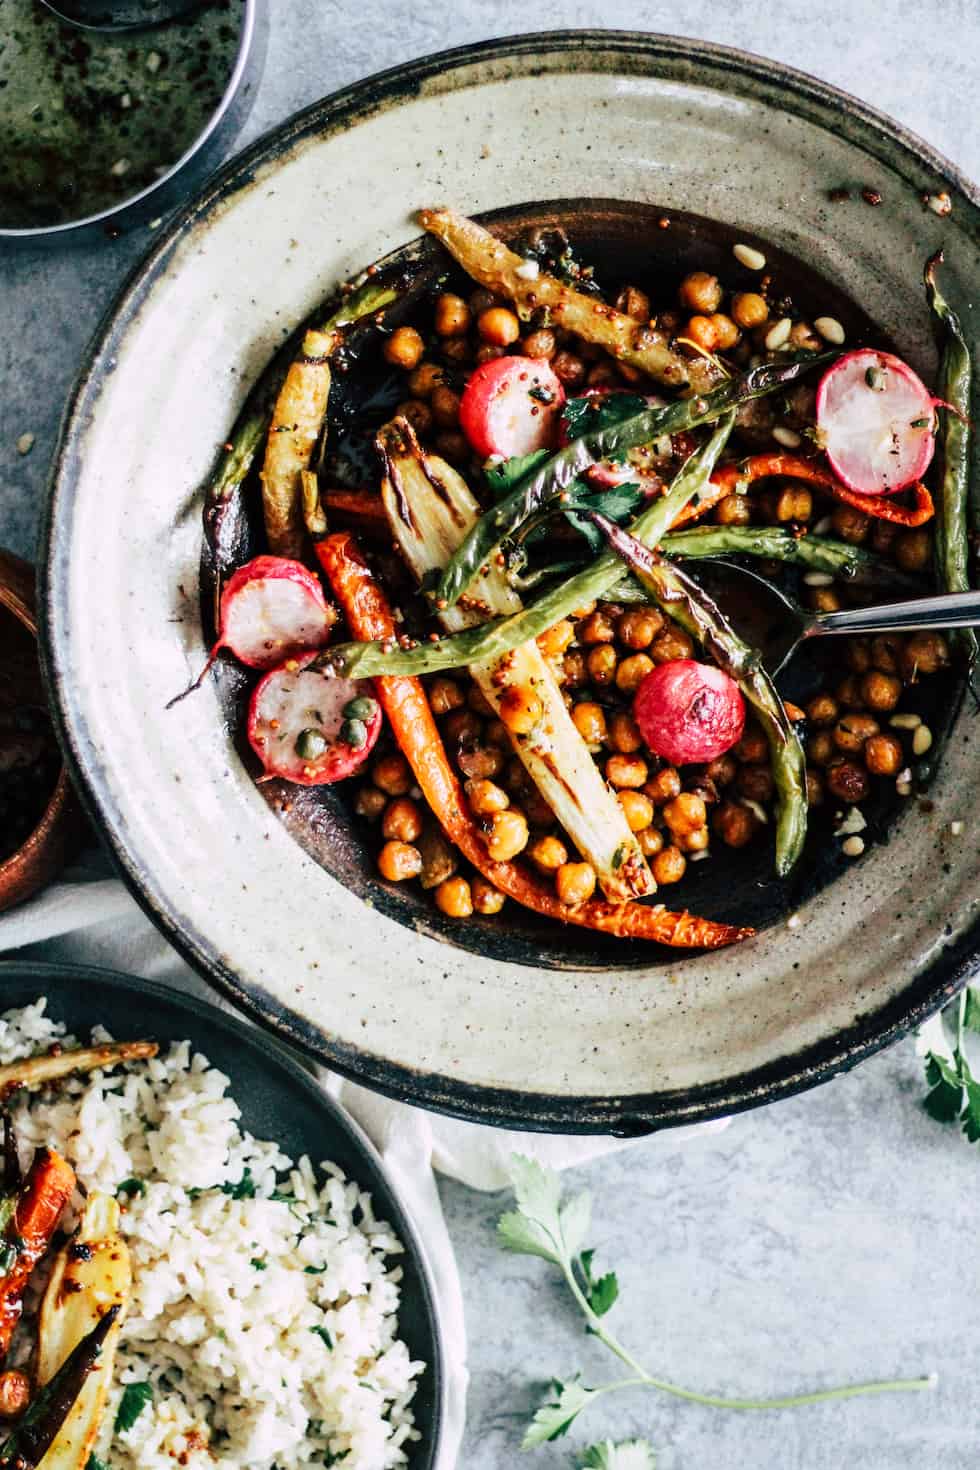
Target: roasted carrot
x=795 y=467
x=365 y=507
x=405 y=703
x=46 y=1190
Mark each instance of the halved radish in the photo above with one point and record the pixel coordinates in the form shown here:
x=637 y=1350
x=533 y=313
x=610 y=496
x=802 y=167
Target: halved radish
x=511 y=406
x=875 y=418
x=688 y=711
x=272 y=609
x=311 y=728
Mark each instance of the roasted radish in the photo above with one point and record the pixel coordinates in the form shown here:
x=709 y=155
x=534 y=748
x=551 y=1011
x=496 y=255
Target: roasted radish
x=312 y=728
x=688 y=711
x=273 y=609
x=875 y=419
x=511 y=406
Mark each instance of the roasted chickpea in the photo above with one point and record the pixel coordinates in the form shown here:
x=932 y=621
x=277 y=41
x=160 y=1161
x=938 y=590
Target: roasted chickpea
x=850 y=524
x=924 y=653
x=445 y=406
x=847 y=781
x=701 y=292
x=445 y=695
x=755 y=782
x=702 y=331
x=638 y=627
x=452 y=315
x=793 y=504
x=598 y=627
x=569 y=369
x=485 y=797
x=404 y=348
x=624 y=733
x=913 y=549
x=857 y=655
x=481 y=300
x=848 y=692
x=496 y=733
x=814 y=787
x=749 y=309
x=637 y=809
x=426 y=377
x=589 y=720
x=632 y=671
x=370 y=803
x=633 y=302
x=883 y=755
x=398 y=861
x=498 y=326
x=886 y=652
x=520 y=708
x=455 y=898
x=722 y=770
x=556 y=639
x=402 y=821
x=883 y=534
x=726 y=332
x=539 y=344
x=734 y=510
x=601 y=663
x=486 y=352
x=753 y=746
x=626 y=770
x=603 y=375
x=575 y=883
x=574 y=672
x=508 y=835
x=696 y=841
x=548 y=854
x=823 y=709
x=418 y=413
x=802 y=335
x=486 y=898
x=672 y=643
x=514 y=777
x=480 y=762
x=663 y=785
x=685 y=813
x=669 y=865
x=651 y=841
x=881 y=691
x=392 y=774
x=457 y=350
x=453 y=445
x=463 y=727
x=478 y=702
x=734 y=824
x=820 y=748
x=824 y=599
x=852 y=731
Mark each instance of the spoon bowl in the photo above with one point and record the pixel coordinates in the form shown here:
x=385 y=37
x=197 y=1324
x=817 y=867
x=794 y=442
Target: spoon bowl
x=119 y=15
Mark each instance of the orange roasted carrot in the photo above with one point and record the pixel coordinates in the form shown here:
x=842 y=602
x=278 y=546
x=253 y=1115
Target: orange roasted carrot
x=363 y=506
x=406 y=704
x=795 y=467
x=40 y=1203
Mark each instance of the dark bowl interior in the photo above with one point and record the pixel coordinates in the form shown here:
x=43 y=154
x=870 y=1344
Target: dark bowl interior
x=278 y=1100
x=627 y=243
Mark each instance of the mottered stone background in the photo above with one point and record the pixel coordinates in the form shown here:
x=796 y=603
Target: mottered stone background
x=825 y=1239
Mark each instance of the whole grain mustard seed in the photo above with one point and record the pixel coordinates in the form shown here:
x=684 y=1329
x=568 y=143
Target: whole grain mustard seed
x=747 y=255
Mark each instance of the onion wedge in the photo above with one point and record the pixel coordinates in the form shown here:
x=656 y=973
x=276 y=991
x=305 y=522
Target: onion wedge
x=36 y=1071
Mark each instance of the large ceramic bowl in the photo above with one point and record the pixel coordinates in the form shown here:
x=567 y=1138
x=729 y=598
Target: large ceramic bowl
x=560 y=1039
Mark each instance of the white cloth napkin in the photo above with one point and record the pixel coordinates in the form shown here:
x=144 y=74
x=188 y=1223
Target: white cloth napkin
x=89 y=918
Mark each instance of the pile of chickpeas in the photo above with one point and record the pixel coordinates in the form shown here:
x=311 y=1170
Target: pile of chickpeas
x=853 y=730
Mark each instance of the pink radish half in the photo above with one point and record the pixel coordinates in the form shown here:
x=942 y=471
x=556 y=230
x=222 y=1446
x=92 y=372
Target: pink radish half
x=273 y=609
x=875 y=418
x=511 y=406
x=311 y=728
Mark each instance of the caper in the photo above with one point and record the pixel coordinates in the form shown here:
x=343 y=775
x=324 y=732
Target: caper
x=875 y=378
x=354 y=733
x=361 y=708
x=310 y=744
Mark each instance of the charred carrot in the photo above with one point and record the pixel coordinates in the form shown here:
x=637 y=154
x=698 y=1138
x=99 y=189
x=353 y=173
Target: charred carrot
x=46 y=1190
x=794 y=467
x=404 y=701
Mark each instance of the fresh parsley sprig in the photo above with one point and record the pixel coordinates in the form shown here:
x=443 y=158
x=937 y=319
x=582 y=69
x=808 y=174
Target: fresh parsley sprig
x=629 y=1454
x=954 y=1092
x=544 y=1225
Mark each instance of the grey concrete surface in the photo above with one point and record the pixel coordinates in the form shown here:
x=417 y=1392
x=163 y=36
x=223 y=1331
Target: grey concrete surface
x=826 y=1239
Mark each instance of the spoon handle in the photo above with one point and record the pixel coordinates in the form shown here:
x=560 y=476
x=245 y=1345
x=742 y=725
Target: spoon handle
x=950 y=610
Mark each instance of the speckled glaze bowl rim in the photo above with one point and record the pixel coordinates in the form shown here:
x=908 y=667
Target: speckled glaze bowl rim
x=926 y=992
x=40 y=976
x=246 y=39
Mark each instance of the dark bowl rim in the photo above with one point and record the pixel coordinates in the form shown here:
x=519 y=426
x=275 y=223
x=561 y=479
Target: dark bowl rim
x=506 y=1108
x=274 y=1054
x=246 y=39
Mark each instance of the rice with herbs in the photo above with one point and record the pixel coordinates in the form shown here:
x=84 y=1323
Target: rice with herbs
x=264 y=1304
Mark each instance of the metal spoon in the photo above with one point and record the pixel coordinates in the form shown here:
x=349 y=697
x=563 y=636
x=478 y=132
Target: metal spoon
x=119 y=15
x=776 y=625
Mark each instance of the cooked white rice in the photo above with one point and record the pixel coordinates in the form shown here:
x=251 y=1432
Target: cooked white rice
x=267 y=1328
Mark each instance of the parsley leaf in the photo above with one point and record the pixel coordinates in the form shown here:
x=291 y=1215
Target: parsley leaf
x=131 y=1187
x=541 y=1225
x=244 y=1189
x=592 y=412
x=971 y=1011
x=601 y=1293
x=501 y=478
x=555 y=1418
x=629 y=1454
x=946 y=1098
x=619 y=502
x=259 y=1264
x=136 y=1396
x=94 y=1463
x=324 y=1336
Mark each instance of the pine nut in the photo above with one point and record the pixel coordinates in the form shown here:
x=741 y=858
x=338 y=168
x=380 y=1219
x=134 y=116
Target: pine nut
x=788 y=438
x=921 y=740
x=830 y=329
x=905 y=722
x=752 y=259
x=818 y=579
x=853 y=847
x=778 y=335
